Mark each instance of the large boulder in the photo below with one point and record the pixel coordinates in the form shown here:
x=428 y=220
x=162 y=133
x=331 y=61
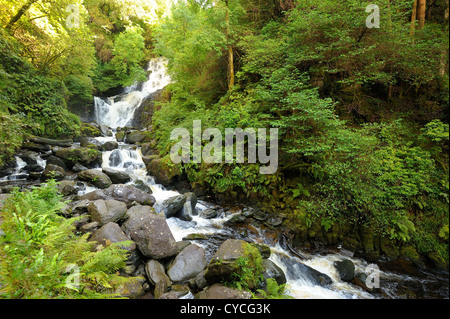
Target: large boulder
x=138 y=136
x=106 y=211
x=188 y=209
x=117 y=177
x=345 y=269
x=53 y=171
x=188 y=264
x=225 y=264
x=82 y=155
x=112 y=233
x=164 y=171
x=271 y=270
x=218 y=291
x=124 y=193
x=151 y=234
x=171 y=206
x=95 y=177
x=157 y=277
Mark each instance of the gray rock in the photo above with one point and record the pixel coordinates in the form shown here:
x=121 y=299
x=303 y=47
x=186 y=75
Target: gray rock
x=124 y=193
x=172 y=206
x=111 y=233
x=218 y=291
x=151 y=234
x=208 y=213
x=346 y=269
x=157 y=277
x=136 y=136
x=187 y=264
x=106 y=211
x=117 y=177
x=271 y=270
x=53 y=171
x=223 y=264
x=132 y=289
x=96 y=177
x=109 y=146
x=79 y=168
x=90 y=227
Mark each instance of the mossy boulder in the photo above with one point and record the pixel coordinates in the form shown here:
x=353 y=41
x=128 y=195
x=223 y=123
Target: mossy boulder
x=82 y=155
x=90 y=130
x=95 y=177
x=164 y=171
x=235 y=261
x=138 y=137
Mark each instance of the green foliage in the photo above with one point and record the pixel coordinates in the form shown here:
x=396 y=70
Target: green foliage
x=250 y=268
x=39 y=247
x=273 y=290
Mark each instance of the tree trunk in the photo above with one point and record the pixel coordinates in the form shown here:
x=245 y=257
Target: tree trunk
x=20 y=13
x=413 y=18
x=421 y=13
x=230 y=50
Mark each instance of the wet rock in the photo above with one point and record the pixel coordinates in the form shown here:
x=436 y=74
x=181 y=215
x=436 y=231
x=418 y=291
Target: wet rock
x=209 y=213
x=76 y=208
x=96 y=178
x=218 y=291
x=260 y=215
x=172 y=206
x=109 y=146
x=53 y=171
x=106 y=211
x=67 y=188
x=151 y=234
x=115 y=159
x=271 y=270
x=164 y=171
x=157 y=277
x=188 y=209
x=223 y=264
x=89 y=227
x=298 y=270
x=187 y=264
x=137 y=137
x=125 y=193
x=236 y=219
x=196 y=237
x=73 y=155
x=117 y=177
x=111 y=233
x=141 y=185
x=56 y=161
x=79 y=168
x=346 y=269
x=132 y=289
x=90 y=141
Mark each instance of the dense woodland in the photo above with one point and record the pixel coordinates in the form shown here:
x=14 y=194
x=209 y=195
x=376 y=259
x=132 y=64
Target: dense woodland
x=362 y=112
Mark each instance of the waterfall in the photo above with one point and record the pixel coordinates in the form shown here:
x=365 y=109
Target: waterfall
x=118 y=111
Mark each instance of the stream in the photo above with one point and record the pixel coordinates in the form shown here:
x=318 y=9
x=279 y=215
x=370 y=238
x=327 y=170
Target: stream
x=118 y=111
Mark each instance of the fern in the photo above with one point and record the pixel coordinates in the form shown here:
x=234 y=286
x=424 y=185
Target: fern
x=39 y=245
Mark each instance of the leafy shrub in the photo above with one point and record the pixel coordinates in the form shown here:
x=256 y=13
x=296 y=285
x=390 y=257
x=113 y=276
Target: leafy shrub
x=40 y=246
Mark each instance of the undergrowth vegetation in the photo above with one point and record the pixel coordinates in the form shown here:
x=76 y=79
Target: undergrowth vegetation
x=42 y=256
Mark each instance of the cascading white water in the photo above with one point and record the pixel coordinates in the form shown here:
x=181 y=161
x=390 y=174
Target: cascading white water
x=119 y=110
